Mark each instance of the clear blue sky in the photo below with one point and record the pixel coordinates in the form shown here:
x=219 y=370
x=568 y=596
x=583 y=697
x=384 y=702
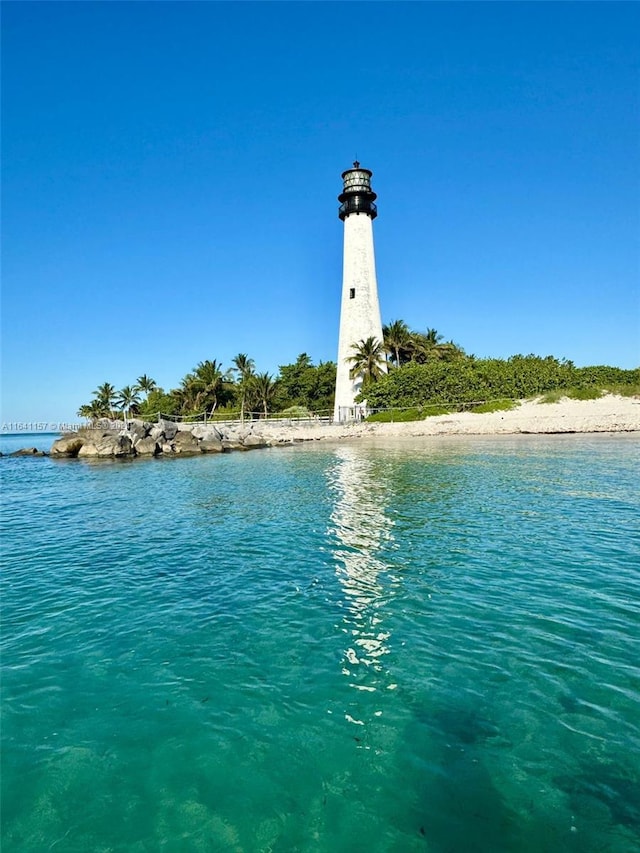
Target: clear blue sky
x=170 y=173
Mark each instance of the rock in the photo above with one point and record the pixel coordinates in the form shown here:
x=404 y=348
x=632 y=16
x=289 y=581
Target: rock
x=122 y=446
x=95 y=434
x=185 y=442
x=207 y=431
x=118 y=446
x=67 y=445
x=254 y=441
x=236 y=434
x=211 y=445
x=168 y=428
x=166 y=448
x=27 y=451
x=88 y=449
x=147 y=447
x=280 y=441
x=138 y=429
x=228 y=445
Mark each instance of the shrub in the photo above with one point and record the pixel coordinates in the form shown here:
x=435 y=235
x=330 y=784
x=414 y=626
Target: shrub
x=295 y=412
x=552 y=396
x=493 y=406
x=603 y=376
x=403 y=415
x=632 y=390
x=585 y=393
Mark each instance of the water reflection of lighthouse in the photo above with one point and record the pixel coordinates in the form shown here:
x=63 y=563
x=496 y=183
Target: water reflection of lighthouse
x=363 y=531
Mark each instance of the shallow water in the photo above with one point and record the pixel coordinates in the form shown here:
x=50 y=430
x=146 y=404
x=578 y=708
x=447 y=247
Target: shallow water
x=367 y=647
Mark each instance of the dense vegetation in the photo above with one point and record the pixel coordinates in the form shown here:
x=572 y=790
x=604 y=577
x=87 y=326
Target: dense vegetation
x=299 y=388
x=408 y=370
x=470 y=380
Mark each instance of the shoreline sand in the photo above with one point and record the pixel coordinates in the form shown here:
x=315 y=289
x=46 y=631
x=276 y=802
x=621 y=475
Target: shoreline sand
x=610 y=413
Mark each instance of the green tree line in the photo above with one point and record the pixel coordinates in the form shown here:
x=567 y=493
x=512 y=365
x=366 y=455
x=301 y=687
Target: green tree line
x=407 y=368
x=471 y=380
x=237 y=391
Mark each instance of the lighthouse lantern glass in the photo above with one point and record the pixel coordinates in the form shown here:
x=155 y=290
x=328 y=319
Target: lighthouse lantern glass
x=357 y=179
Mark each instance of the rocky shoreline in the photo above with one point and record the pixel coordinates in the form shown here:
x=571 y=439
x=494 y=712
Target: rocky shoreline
x=109 y=440
x=165 y=438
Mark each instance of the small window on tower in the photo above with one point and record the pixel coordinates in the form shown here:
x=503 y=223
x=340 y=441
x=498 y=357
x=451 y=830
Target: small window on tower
x=352 y=293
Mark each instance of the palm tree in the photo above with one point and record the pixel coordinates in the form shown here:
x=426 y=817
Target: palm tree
x=105 y=394
x=127 y=399
x=209 y=381
x=397 y=340
x=430 y=347
x=452 y=351
x=92 y=411
x=145 y=384
x=265 y=388
x=243 y=366
x=303 y=361
x=368 y=360
x=186 y=394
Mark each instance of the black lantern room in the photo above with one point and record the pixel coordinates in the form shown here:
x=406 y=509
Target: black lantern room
x=357 y=195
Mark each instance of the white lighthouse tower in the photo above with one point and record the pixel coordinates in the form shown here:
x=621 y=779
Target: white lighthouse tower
x=360 y=308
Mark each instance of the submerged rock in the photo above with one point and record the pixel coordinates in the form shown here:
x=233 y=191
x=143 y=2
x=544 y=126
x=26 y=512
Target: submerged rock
x=28 y=451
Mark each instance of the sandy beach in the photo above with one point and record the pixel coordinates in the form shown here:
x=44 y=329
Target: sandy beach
x=610 y=413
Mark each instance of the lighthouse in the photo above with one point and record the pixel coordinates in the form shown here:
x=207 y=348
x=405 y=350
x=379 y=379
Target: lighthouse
x=360 y=308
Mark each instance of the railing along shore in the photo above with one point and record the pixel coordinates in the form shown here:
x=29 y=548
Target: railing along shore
x=235 y=418
x=354 y=414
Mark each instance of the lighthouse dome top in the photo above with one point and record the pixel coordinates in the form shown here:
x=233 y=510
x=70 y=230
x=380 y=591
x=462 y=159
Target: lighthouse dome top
x=357 y=196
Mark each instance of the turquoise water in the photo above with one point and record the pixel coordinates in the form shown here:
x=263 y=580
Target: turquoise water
x=328 y=648
x=9 y=442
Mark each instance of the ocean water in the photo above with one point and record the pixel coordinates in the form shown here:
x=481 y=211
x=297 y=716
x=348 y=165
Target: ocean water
x=10 y=442
x=365 y=647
